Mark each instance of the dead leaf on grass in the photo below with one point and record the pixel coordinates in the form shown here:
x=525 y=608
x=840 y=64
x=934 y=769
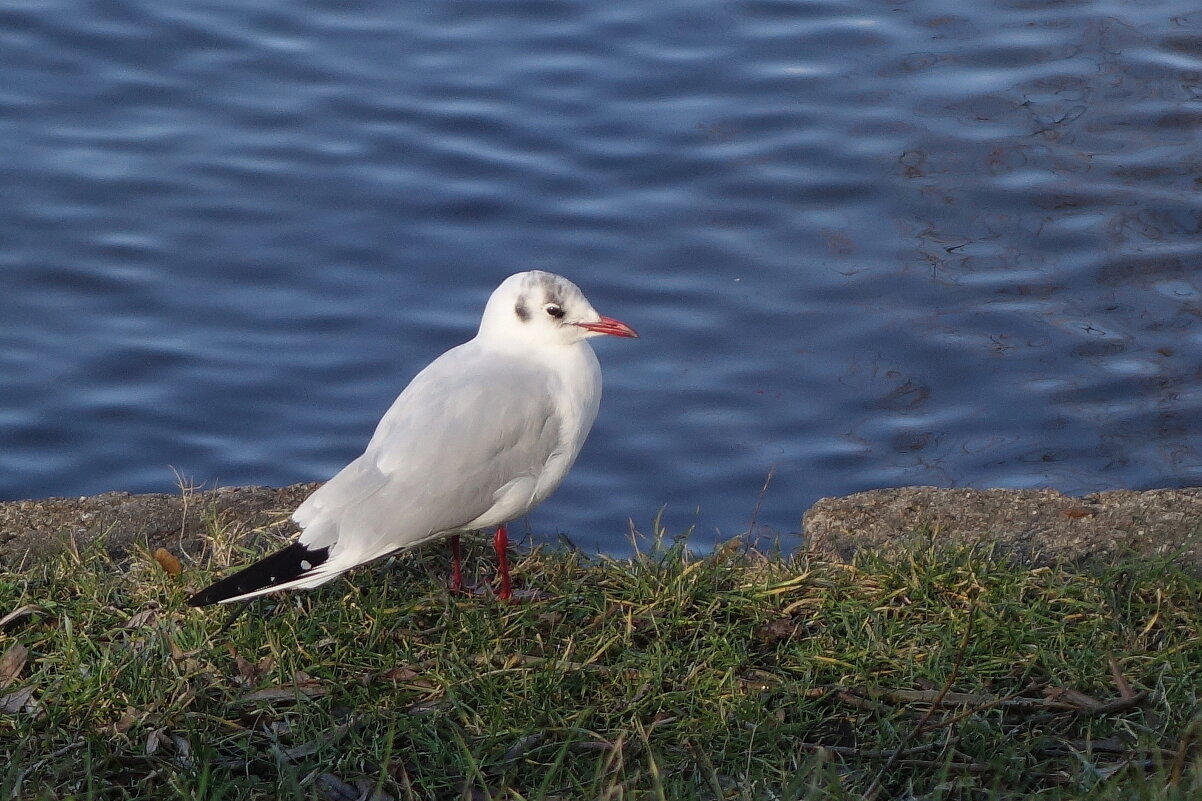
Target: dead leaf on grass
x=335 y=789
x=143 y=618
x=285 y=692
x=427 y=707
x=1120 y=681
x=409 y=675
x=12 y=663
x=781 y=629
x=400 y=771
x=298 y=752
x=131 y=716
x=183 y=750
x=302 y=685
x=531 y=595
x=519 y=749
x=369 y=792
x=19 y=615
x=404 y=673
x=251 y=672
x=168 y=561
x=755 y=679
x=1075 y=698
x=17 y=701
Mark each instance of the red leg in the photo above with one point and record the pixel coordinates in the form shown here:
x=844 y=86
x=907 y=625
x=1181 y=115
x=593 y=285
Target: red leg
x=456 y=566
x=500 y=544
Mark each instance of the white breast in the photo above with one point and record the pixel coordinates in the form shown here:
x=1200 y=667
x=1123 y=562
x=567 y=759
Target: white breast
x=575 y=393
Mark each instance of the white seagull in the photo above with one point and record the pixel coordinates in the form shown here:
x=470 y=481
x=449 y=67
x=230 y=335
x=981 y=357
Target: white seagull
x=479 y=437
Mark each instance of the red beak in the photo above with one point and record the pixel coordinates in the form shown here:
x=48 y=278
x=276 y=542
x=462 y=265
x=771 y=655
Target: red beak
x=608 y=325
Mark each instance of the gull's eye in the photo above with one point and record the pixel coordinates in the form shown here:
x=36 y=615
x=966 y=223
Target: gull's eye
x=553 y=310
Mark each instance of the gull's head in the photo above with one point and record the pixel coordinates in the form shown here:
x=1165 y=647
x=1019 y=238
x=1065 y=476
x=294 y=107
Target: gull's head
x=541 y=307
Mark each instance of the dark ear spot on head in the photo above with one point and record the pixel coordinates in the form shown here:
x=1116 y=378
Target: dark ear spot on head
x=521 y=311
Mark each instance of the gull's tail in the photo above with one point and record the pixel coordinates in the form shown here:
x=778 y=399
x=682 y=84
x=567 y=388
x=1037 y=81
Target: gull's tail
x=292 y=567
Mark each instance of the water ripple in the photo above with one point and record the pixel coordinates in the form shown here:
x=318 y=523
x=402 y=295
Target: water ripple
x=919 y=243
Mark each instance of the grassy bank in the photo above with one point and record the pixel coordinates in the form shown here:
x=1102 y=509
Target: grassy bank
x=937 y=675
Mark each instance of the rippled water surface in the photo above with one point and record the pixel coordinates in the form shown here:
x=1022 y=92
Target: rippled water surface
x=866 y=244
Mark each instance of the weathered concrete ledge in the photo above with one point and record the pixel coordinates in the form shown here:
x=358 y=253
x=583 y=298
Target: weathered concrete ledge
x=1041 y=526
x=122 y=522
x=1036 y=526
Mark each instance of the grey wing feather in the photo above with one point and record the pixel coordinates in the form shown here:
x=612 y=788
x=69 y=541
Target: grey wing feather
x=439 y=458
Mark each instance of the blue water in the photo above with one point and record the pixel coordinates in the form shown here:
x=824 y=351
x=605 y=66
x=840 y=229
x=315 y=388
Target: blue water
x=867 y=244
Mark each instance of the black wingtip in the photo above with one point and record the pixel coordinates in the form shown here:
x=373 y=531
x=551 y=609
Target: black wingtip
x=279 y=568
